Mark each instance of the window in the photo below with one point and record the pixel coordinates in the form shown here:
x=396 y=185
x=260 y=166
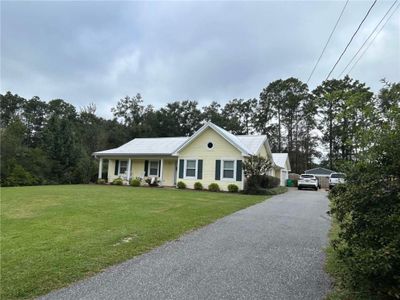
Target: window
x=228 y=170
x=306 y=176
x=153 y=168
x=210 y=145
x=337 y=175
x=190 y=170
x=123 y=166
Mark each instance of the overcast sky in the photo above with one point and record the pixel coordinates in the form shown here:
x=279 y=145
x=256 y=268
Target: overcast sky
x=99 y=52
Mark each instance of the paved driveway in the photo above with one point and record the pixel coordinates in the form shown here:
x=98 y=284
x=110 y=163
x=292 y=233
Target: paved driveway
x=272 y=250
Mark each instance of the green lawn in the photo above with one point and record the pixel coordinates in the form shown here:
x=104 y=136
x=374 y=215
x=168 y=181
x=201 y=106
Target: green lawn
x=54 y=235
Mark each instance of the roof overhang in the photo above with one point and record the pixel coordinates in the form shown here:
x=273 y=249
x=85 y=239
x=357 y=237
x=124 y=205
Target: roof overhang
x=269 y=152
x=95 y=154
x=288 y=162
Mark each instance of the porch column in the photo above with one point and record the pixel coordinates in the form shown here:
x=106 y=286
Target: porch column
x=161 y=170
x=100 y=167
x=129 y=169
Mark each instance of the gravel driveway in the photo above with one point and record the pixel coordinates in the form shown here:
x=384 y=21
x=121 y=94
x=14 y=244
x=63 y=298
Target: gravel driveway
x=272 y=250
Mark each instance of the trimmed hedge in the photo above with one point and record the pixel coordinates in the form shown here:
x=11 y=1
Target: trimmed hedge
x=258 y=184
x=117 y=181
x=233 y=188
x=135 y=182
x=198 y=186
x=101 y=181
x=181 y=185
x=213 y=187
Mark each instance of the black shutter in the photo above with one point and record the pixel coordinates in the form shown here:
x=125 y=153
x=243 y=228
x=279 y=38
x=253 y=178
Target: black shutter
x=238 y=170
x=200 y=169
x=217 y=169
x=159 y=168
x=116 y=167
x=146 y=167
x=181 y=166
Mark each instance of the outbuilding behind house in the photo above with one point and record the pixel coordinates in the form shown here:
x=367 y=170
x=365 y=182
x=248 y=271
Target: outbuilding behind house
x=322 y=175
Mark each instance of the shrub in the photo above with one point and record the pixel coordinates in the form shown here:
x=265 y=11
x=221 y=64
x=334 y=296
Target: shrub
x=367 y=211
x=118 y=181
x=272 y=181
x=85 y=170
x=254 y=190
x=152 y=181
x=255 y=165
x=213 y=187
x=101 y=181
x=181 y=185
x=258 y=184
x=233 y=188
x=198 y=186
x=135 y=181
x=19 y=177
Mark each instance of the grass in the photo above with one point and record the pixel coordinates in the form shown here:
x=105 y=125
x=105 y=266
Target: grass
x=335 y=268
x=52 y=236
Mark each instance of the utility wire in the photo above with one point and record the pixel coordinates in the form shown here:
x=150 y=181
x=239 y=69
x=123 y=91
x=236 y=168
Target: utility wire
x=327 y=42
x=369 y=45
x=354 y=34
x=373 y=31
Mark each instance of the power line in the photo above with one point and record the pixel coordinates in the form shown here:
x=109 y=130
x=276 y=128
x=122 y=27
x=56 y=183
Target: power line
x=373 y=31
x=369 y=45
x=354 y=34
x=327 y=42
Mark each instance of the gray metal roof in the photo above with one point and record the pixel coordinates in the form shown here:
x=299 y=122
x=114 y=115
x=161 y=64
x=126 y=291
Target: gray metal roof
x=319 y=171
x=280 y=159
x=251 y=142
x=146 y=146
x=247 y=144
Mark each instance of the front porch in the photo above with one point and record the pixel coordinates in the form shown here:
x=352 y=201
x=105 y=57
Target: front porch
x=162 y=168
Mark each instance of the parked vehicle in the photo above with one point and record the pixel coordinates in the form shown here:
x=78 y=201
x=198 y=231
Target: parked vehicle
x=336 y=178
x=307 y=181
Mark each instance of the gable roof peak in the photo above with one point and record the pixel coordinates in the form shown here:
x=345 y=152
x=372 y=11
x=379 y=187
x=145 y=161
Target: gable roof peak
x=281 y=159
x=229 y=137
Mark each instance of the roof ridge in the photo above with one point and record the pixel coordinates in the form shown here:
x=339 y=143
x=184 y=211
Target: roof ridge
x=161 y=137
x=255 y=135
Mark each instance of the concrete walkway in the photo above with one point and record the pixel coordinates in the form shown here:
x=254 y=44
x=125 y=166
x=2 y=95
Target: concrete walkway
x=272 y=250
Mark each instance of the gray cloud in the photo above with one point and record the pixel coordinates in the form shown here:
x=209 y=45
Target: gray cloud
x=101 y=51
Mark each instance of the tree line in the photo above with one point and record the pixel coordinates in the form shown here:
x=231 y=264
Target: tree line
x=52 y=142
